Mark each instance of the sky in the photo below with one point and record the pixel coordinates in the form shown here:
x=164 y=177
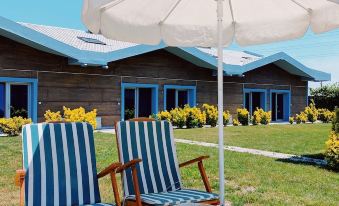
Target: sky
x=319 y=52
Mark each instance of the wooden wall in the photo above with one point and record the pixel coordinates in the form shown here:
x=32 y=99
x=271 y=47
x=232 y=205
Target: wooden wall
x=60 y=84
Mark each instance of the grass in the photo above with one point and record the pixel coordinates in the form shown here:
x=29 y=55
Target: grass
x=251 y=179
x=304 y=139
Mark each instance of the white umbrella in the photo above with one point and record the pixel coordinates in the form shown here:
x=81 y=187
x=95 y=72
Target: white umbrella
x=209 y=23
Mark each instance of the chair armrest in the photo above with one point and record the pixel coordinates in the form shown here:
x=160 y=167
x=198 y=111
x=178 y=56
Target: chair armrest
x=129 y=164
x=19 y=177
x=109 y=169
x=199 y=159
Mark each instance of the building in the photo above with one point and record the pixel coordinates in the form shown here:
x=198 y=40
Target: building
x=44 y=67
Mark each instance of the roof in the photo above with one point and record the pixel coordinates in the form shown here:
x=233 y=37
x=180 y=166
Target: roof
x=65 y=42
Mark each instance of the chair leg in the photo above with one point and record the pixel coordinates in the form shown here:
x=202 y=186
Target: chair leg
x=136 y=186
x=115 y=189
x=20 y=181
x=204 y=177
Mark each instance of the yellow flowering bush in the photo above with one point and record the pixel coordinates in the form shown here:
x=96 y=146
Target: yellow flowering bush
x=257 y=114
x=178 y=117
x=52 y=116
x=291 y=120
x=236 y=122
x=301 y=118
x=164 y=115
x=266 y=118
x=80 y=115
x=243 y=116
x=332 y=150
x=325 y=115
x=226 y=117
x=211 y=114
x=72 y=115
x=13 y=126
x=194 y=117
x=311 y=112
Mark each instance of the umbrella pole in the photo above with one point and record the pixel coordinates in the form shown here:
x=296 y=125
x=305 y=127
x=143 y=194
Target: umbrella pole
x=220 y=103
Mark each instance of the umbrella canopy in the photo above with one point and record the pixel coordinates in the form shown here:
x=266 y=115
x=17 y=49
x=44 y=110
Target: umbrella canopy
x=194 y=22
x=209 y=23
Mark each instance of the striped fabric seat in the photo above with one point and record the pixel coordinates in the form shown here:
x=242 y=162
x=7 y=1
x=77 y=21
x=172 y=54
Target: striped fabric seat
x=175 y=197
x=158 y=173
x=60 y=165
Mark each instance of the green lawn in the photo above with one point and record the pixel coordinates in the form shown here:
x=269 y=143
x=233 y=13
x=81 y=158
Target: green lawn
x=251 y=179
x=304 y=139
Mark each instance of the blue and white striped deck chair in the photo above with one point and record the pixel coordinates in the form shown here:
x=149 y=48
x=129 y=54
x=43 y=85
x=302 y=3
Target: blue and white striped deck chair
x=59 y=165
x=158 y=174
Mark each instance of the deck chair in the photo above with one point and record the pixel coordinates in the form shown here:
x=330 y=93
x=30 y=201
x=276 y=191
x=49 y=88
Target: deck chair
x=156 y=180
x=59 y=165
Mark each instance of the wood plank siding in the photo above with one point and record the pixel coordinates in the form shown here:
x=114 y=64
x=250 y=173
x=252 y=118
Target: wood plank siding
x=61 y=84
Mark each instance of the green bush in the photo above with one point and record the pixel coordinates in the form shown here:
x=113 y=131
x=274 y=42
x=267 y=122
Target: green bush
x=13 y=126
x=226 y=117
x=243 y=116
x=211 y=114
x=194 y=117
x=178 y=117
x=311 y=112
x=326 y=96
x=325 y=115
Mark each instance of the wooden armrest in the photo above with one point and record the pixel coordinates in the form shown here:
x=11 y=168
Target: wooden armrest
x=127 y=165
x=109 y=169
x=19 y=177
x=199 y=159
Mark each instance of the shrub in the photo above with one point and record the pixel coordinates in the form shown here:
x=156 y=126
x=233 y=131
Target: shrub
x=164 y=115
x=80 y=115
x=291 y=120
x=236 y=122
x=211 y=114
x=326 y=96
x=178 y=117
x=335 y=121
x=332 y=151
x=243 y=116
x=311 y=112
x=52 y=116
x=301 y=118
x=194 y=117
x=226 y=117
x=325 y=115
x=13 y=126
x=266 y=118
x=332 y=145
x=256 y=118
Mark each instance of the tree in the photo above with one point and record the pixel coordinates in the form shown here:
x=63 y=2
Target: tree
x=326 y=96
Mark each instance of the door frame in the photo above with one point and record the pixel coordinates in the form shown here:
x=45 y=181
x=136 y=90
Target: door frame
x=287 y=102
x=124 y=86
x=263 y=94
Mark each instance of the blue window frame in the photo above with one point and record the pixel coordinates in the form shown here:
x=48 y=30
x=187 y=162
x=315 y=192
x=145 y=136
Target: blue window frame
x=138 y=100
x=13 y=94
x=280 y=104
x=254 y=98
x=178 y=96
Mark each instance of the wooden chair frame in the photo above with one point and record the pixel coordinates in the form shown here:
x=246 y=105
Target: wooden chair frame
x=198 y=160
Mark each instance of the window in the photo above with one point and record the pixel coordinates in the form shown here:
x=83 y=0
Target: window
x=18 y=97
x=179 y=96
x=138 y=100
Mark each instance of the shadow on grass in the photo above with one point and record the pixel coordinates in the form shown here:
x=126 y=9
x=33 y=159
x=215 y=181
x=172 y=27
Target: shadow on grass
x=316 y=160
